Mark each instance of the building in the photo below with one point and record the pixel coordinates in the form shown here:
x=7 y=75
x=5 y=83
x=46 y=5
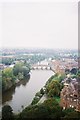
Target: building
x=70 y=95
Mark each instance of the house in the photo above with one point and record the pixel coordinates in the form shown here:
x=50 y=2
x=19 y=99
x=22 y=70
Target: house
x=70 y=95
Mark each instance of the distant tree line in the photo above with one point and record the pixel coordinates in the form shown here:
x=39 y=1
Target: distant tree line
x=7 y=61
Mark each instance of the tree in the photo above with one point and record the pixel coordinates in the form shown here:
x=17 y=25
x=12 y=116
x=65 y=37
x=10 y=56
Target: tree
x=7 y=113
x=42 y=91
x=21 y=69
x=54 y=110
x=53 y=88
x=74 y=70
x=25 y=71
x=8 y=72
x=7 y=61
x=8 y=79
x=49 y=109
x=17 y=69
x=70 y=113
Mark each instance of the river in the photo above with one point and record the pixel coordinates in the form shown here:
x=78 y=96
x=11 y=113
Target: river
x=24 y=92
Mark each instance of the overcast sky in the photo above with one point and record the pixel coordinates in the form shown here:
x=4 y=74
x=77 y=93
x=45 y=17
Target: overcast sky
x=39 y=24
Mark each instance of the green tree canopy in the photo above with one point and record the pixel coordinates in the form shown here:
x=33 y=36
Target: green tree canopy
x=8 y=79
x=21 y=68
x=7 y=113
x=53 y=88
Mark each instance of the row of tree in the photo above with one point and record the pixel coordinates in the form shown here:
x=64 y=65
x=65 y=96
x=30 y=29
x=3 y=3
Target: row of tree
x=50 y=109
x=54 y=85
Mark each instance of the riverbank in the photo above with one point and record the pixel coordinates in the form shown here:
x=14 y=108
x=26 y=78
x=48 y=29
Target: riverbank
x=43 y=101
x=17 y=83
x=24 y=93
x=48 y=104
x=44 y=93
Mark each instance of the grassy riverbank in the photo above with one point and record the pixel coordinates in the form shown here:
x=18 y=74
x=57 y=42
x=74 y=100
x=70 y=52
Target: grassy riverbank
x=54 y=82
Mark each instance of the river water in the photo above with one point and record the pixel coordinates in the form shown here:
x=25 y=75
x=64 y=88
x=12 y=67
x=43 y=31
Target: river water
x=24 y=92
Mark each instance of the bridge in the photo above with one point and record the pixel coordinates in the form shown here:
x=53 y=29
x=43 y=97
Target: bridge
x=42 y=67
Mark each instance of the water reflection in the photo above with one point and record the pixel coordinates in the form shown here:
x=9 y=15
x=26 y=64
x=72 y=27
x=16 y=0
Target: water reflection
x=24 y=82
x=7 y=96
x=23 y=93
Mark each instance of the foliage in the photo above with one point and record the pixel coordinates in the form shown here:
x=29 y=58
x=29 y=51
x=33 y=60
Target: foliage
x=7 y=61
x=54 y=88
x=38 y=96
x=25 y=71
x=7 y=113
x=61 y=77
x=20 y=69
x=8 y=79
x=17 y=68
x=0 y=80
x=49 y=109
x=10 y=75
x=58 y=77
x=71 y=113
x=78 y=74
x=42 y=91
x=57 y=99
x=7 y=72
x=74 y=71
x=50 y=79
x=53 y=85
x=35 y=100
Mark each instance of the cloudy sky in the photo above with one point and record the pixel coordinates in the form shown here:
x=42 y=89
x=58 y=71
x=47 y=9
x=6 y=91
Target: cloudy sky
x=39 y=24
